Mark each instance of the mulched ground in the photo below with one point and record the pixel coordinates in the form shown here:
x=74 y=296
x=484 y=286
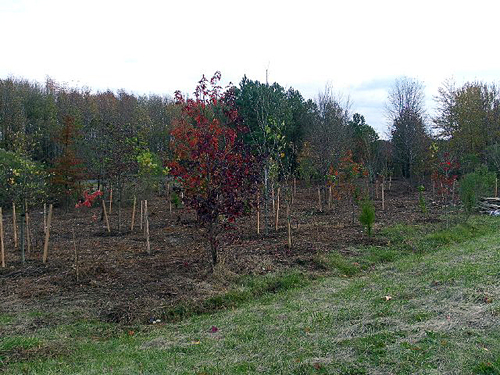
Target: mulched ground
x=119 y=282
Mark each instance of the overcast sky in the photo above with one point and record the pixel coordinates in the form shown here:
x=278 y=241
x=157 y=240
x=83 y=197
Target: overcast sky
x=358 y=47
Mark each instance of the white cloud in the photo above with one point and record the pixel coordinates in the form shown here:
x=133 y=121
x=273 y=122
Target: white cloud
x=161 y=46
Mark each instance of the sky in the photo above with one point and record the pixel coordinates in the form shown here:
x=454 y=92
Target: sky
x=357 y=47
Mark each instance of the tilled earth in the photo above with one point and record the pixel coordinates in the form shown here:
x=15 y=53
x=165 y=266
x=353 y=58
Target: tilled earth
x=118 y=281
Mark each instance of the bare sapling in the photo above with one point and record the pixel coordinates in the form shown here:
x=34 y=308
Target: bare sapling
x=110 y=200
x=133 y=214
x=289 y=222
x=383 y=196
x=28 y=232
x=330 y=197
x=320 y=207
x=76 y=255
x=169 y=194
x=14 y=223
x=106 y=216
x=44 y=218
x=277 y=209
x=47 y=235
x=148 y=244
x=142 y=215
x=258 y=213
x=2 y=246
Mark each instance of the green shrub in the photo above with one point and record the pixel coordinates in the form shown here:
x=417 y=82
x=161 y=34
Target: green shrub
x=367 y=216
x=21 y=179
x=421 y=199
x=474 y=185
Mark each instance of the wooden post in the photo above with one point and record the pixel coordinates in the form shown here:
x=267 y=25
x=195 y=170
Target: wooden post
x=453 y=193
x=319 y=200
x=76 y=254
x=44 y=218
x=496 y=187
x=148 y=245
x=383 y=196
x=2 y=247
x=14 y=223
x=142 y=215
x=289 y=226
x=330 y=197
x=169 y=194
x=110 y=200
x=258 y=213
x=133 y=214
x=106 y=216
x=28 y=234
x=277 y=208
x=272 y=198
x=47 y=235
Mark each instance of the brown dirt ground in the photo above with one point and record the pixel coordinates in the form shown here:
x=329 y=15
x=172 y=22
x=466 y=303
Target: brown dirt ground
x=118 y=281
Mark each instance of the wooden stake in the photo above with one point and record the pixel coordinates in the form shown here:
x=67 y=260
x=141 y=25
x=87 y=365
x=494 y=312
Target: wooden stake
x=169 y=199
x=277 y=209
x=110 y=200
x=258 y=213
x=14 y=223
x=148 y=245
x=44 y=218
x=76 y=254
x=142 y=215
x=106 y=216
x=272 y=198
x=2 y=248
x=330 y=197
x=47 y=235
x=289 y=226
x=319 y=200
x=496 y=187
x=133 y=215
x=28 y=234
x=383 y=196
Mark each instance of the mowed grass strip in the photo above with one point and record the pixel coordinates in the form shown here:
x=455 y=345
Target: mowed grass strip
x=435 y=310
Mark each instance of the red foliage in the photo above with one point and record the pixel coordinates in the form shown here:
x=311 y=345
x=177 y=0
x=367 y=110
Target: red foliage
x=218 y=176
x=88 y=199
x=343 y=179
x=445 y=175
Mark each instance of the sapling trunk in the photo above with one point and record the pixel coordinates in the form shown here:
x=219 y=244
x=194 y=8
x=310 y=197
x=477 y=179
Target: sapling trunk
x=133 y=214
x=320 y=207
x=14 y=223
x=277 y=209
x=76 y=254
x=142 y=215
x=106 y=216
x=289 y=222
x=47 y=235
x=44 y=218
x=146 y=215
x=22 y=237
x=383 y=197
x=2 y=246
x=110 y=200
x=28 y=233
x=258 y=213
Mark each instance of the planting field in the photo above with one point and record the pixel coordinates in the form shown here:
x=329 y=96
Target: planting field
x=119 y=282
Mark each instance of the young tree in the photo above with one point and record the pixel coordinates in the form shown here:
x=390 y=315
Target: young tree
x=218 y=175
x=409 y=136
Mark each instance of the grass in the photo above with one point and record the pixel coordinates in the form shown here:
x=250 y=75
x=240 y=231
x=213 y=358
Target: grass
x=427 y=303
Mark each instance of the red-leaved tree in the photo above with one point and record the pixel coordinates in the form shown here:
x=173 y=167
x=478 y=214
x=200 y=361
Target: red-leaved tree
x=218 y=175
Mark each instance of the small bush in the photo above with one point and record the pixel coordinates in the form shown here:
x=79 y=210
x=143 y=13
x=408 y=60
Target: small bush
x=367 y=216
x=474 y=185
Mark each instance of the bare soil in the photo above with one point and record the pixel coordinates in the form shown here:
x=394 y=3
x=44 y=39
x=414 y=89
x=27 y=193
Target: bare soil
x=119 y=282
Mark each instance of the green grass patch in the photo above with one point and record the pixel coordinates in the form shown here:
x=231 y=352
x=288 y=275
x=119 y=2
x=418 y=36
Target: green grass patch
x=429 y=304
